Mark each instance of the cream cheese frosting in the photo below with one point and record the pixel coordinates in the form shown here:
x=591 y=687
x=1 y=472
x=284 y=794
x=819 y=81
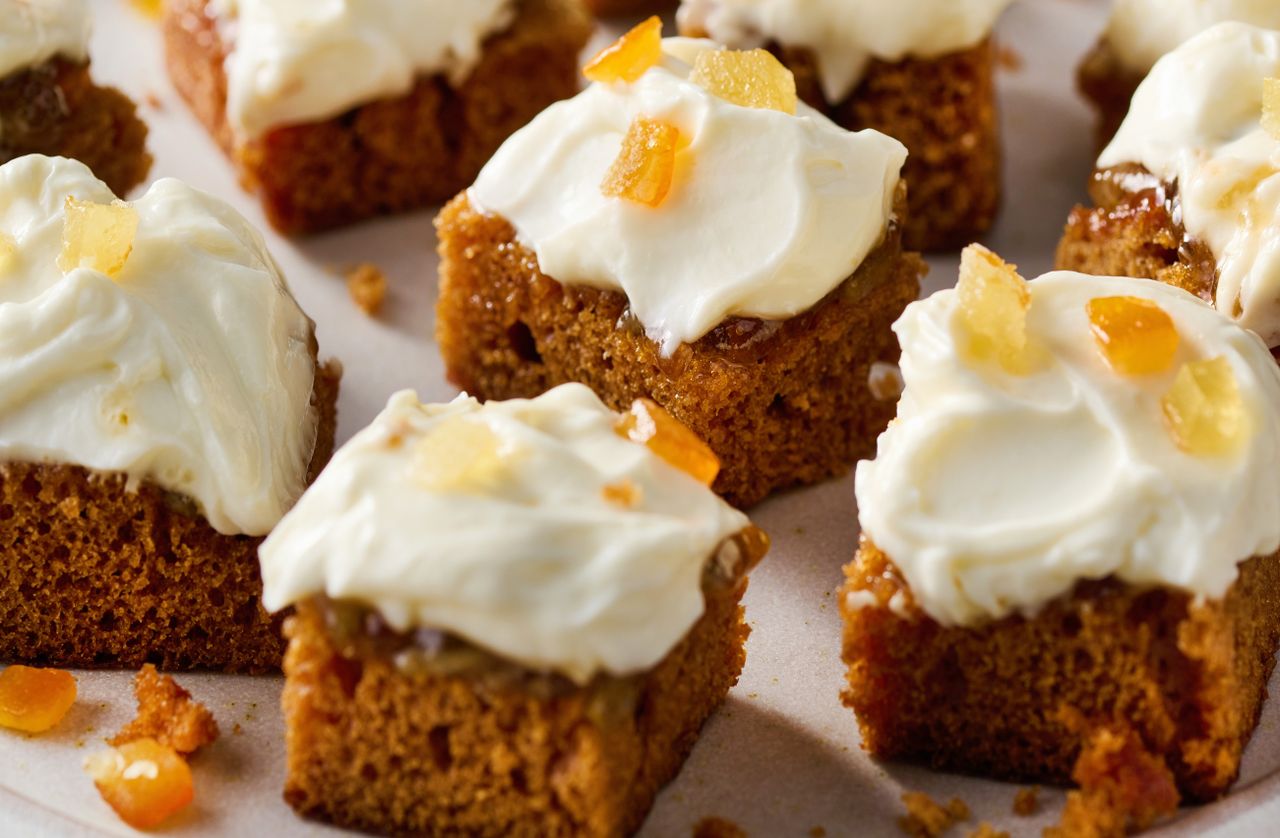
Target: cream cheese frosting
x=533 y=562
x=191 y=368
x=1140 y=32
x=1196 y=121
x=34 y=31
x=845 y=35
x=995 y=493
x=768 y=212
x=294 y=61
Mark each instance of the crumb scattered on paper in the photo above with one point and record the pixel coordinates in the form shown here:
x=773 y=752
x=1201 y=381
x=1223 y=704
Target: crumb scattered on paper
x=167 y=714
x=986 y=830
x=926 y=818
x=718 y=828
x=1025 y=802
x=367 y=285
x=817 y=832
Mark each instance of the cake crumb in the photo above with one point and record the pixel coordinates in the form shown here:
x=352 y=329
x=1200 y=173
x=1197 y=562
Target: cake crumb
x=817 y=832
x=926 y=818
x=1026 y=802
x=167 y=714
x=367 y=285
x=986 y=830
x=1008 y=58
x=153 y=101
x=718 y=828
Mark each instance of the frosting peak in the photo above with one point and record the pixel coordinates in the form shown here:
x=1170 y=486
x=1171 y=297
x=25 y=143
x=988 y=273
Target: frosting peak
x=1139 y=32
x=34 y=31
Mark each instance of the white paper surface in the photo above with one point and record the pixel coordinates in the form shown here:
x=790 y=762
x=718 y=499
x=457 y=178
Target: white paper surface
x=782 y=755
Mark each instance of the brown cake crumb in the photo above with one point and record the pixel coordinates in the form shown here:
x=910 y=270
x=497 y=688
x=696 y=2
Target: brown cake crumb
x=167 y=714
x=986 y=830
x=367 y=285
x=817 y=832
x=1025 y=802
x=718 y=828
x=926 y=818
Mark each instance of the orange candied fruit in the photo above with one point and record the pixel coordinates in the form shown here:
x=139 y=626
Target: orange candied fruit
x=97 y=236
x=649 y=424
x=645 y=165
x=750 y=78
x=34 y=700
x=992 y=315
x=1271 y=107
x=143 y=781
x=1204 y=411
x=1136 y=336
x=629 y=57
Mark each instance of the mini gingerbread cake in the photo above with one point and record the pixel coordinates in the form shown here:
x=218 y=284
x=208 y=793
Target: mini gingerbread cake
x=1187 y=191
x=921 y=71
x=49 y=103
x=1139 y=33
x=686 y=231
x=1069 y=565
x=512 y=619
x=161 y=407
x=339 y=111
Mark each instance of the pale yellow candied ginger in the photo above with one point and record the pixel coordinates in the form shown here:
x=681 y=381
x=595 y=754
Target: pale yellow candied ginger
x=144 y=781
x=97 y=236
x=650 y=425
x=629 y=57
x=8 y=253
x=1204 y=411
x=992 y=313
x=1135 y=335
x=646 y=164
x=458 y=455
x=1271 y=107
x=750 y=78
x=33 y=700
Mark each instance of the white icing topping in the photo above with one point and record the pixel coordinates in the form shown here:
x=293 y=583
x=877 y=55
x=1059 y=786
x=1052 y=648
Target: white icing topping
x=191 y=368
x=34 y=31
x=295 y=61
x=535 y=565
x=1139 y=32
x=994 y=494
x=845 y=35
x=768 y=212
x=1196 y=120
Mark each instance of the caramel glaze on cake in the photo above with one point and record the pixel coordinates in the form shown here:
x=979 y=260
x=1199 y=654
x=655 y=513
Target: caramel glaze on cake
x=1020 y=698
x=392 y=155
x=461 y=742
x=55 y=109
x=781 y=403
x=93 y=575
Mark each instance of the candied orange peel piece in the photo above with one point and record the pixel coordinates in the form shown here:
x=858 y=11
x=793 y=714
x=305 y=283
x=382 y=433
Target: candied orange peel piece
x=144 y=781
x=629 y=57
x=1136 y=336
x=992 y=313
x=664 y=435
x=750 y=78
x=1204 y=410
x=1271 y=107
x=458 y=455
x=646 y=164
x=97 y=236
x=33 y=700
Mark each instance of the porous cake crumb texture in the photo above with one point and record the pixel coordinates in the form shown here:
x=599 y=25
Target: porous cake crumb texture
x=167 y=714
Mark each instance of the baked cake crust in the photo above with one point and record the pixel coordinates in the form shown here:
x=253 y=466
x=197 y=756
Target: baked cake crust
x=392 y=155
x=782 y=403
x=95 y=576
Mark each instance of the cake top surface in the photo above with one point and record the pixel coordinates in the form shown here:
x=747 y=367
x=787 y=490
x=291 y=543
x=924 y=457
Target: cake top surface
x=762 y=211
x=531 y=528
x=1072 y=428
x=1198 y=120
x=296 y=61
x=155 y=339
x=845 y=35
x=1139 y=32
x=34 y=31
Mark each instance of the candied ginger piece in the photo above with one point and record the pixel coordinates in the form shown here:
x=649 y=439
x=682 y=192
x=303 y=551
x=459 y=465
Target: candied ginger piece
x=143 y=781
x=650 y=425
x=1271 y=107
x=645 y=165
x=1136 y=336
x=97 y=236
x=629 y=57
x=750 y=78
x=168 y=714
x=33 y=700
x=992 y=314
x=1204 y=411
x=458 y=455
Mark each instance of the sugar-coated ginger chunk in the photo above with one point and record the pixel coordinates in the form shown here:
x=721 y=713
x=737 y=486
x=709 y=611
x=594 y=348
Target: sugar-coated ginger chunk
x=992 y=313
x=645 y=165
x=33 y=700
x=750 y=78
x=168 y=714
x=1271 y=107
x=97 y=236
x=629 y=57
x=144 y=781
x=1135 y=335
x=459 y=455
x=1204 y=410
x=650 y=425
x=8 y=253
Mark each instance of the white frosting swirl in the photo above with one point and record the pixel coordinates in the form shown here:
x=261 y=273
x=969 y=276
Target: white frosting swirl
x=192 y=368
x=538 y=567
x=295 y=61
x=995 y=494
x=767 y=214
x=34 y=31
x=845 y=35
x=1140 y=32
x=1196 y=120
